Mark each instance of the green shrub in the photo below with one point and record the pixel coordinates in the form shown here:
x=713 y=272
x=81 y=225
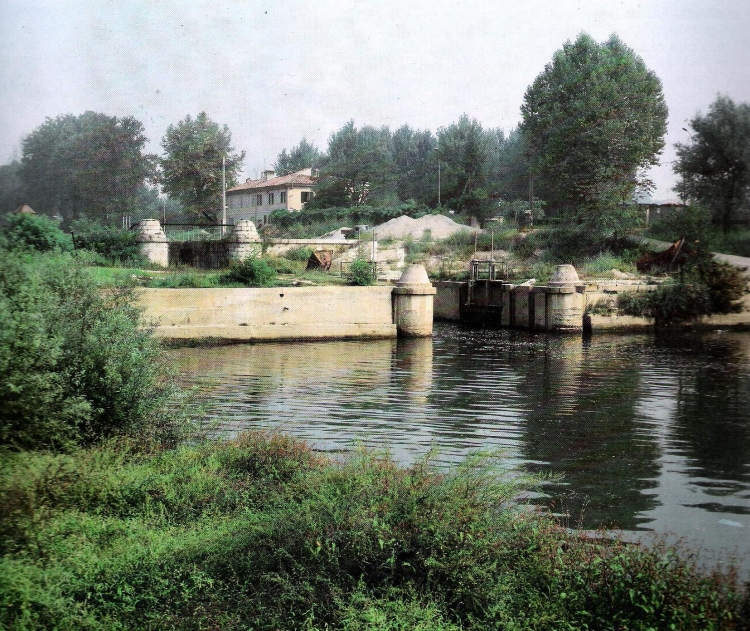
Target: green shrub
x=114 y=244
x=361 y=272
x=282 y=265
x=299 y=254
x=708 y=288
x=252 y=272
x=35 y=232
x=75 y=365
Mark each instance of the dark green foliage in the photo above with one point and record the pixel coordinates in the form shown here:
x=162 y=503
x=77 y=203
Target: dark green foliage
x=298 y=254
x=90 y=165
x=416 y=165
x=594 y=121
x=304 y=156
x=361 y=272
x=74 y=365
x=12 y=193
x=114 y=244
x=715 y=167
x=35 y=232
x=358 y=168
x=191 y=170
x=464 y=149
x=252 y=272
x=708 y=288
x=262 y=533
x=693 y=223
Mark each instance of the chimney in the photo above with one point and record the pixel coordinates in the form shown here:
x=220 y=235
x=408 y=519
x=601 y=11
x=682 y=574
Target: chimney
x=267 y=175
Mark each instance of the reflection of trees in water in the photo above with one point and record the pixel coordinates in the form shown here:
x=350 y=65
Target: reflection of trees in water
x=582 y=424
x=712 y=420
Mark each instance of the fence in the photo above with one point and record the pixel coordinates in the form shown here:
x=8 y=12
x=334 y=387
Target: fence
x=196 y=232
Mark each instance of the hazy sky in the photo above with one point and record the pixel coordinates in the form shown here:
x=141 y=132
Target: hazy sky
x=277 y=71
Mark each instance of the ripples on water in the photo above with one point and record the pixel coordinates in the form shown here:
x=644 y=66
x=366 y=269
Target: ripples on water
x=647 y=433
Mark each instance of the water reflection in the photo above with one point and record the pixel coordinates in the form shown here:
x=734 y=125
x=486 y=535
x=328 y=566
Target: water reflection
x=646 y=432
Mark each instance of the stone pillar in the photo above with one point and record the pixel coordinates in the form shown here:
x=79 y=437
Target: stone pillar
x=244 y=241
x=152 y=242
x=559 y=305
x=413 y=298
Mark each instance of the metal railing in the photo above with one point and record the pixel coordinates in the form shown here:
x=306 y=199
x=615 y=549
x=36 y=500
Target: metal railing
x=196 y=232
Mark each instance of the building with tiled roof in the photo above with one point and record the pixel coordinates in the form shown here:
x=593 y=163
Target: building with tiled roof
x=256 y=199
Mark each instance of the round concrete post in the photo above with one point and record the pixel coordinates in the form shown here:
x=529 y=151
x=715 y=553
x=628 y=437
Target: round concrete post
x=413 y=298
x=152 y=242
x=564 y=300
x=244 y=241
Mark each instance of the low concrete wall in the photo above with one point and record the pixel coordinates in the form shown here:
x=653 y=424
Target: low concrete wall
x=286 y=313
x=494 y=303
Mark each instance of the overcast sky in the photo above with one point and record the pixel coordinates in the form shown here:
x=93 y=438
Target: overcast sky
x=277 y=71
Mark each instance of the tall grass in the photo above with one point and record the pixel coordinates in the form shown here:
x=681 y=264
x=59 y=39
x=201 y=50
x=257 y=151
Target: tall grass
x=261 y=532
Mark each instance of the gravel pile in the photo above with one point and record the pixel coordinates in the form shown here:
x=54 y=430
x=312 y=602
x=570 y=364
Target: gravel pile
x=402 y=227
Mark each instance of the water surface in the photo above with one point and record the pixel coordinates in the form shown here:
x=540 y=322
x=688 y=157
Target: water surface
x=646 y=433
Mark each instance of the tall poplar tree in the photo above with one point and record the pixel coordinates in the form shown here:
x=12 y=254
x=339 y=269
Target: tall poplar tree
x=595 y=121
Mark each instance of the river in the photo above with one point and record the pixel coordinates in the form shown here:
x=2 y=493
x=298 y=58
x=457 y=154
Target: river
x=643 y=432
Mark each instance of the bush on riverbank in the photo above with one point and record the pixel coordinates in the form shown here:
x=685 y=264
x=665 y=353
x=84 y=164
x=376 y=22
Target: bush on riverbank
x=263 y=533
x=710 y=287
x=75 y=367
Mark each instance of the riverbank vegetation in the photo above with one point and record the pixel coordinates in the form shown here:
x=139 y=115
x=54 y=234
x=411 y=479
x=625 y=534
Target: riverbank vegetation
x=261 y=532
x=119 y=514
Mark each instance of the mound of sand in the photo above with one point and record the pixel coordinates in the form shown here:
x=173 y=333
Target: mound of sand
x=439 y=227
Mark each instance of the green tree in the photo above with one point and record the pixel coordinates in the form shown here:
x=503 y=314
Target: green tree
x=191 y=170
x=358 y=168
x=595 y=121
x=415 y=160
x=464 y=149
x=12 y=193
x=304 y=156
x=511 y=168
x=90 y=165
x=714 y=168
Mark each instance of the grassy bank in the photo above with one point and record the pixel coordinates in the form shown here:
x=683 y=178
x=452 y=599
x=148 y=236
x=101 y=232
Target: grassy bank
x=262 y=533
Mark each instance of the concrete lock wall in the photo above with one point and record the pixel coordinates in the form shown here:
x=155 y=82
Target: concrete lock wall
x=293 y=313
x=284 y=313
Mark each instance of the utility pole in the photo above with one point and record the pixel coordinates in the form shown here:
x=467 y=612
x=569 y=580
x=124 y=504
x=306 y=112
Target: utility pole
x=531 y=199
x=223 y=194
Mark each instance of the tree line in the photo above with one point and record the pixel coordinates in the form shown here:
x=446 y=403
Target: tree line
x=593 y=123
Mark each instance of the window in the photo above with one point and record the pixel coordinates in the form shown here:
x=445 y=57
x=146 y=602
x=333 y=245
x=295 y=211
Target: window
x=270 y=198
x=259 y=200
x=282 y=197
x=305 y=197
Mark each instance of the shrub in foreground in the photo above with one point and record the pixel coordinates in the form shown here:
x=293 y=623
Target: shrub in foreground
x=260 y=532
x=75 y=365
